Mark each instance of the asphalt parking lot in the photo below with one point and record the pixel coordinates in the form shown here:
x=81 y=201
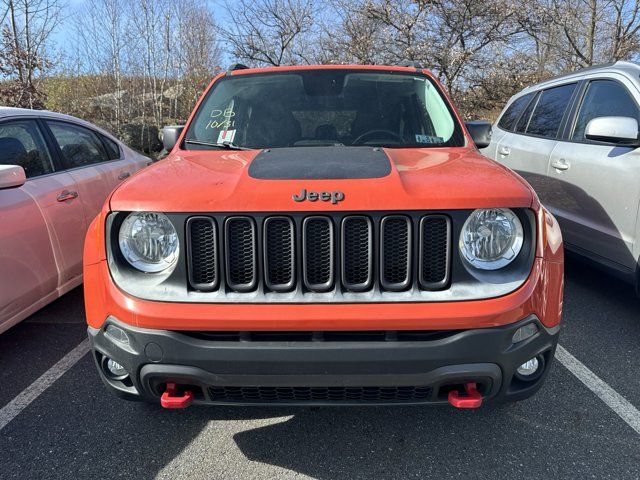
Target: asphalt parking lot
x=74 y=429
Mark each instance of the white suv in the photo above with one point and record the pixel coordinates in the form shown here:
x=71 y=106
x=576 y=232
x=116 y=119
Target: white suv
x=575 y=140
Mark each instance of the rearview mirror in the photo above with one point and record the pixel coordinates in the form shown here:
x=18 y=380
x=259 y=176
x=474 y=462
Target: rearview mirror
x=622 y=130
x=170 y=135
x=12 y=176
x=480 y=131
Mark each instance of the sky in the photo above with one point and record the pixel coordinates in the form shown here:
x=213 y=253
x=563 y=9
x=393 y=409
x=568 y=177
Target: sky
x=63 y=35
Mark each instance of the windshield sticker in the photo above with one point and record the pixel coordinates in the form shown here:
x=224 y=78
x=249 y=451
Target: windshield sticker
x=428 y=139
x=226 y=136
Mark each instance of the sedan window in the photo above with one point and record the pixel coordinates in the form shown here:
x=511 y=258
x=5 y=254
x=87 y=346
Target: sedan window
x=21 y=143
x=113 y=150
x=79 y=146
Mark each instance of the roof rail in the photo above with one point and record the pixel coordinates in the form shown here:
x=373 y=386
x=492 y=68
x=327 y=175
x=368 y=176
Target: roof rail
x=411 y=63
x=236 y=66
x=580 y=70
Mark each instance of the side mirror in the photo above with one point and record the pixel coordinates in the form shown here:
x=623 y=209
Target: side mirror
x=170 y=135
x=622 y=130
x=480 y=131
x=12 y=176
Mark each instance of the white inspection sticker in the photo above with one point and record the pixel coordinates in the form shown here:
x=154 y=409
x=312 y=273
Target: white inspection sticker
x=226 y=136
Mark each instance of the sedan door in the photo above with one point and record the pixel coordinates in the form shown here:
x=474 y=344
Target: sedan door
x=86 y=159
x=597 y=184
x=42 y=222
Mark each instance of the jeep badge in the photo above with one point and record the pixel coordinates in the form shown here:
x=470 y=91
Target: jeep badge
x=335 y=197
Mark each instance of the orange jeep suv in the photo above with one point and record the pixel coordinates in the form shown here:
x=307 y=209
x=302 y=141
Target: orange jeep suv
x=325 y=235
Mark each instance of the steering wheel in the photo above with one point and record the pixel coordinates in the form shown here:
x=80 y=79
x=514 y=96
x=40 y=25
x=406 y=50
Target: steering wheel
x=373 y=133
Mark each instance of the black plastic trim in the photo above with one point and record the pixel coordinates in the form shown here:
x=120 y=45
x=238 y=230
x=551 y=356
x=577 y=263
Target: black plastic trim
x=483 y=355
x=279 y=287
x=321 y=287
x=397 y=286
x=241 y=287
x=363 y=286
x=204 y=287
x=445 y=281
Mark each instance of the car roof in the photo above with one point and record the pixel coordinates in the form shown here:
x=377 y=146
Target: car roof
x=12 y=112
x=626 y=68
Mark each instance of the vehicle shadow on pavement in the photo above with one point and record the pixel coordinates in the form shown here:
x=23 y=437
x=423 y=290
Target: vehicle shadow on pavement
x=538 y=438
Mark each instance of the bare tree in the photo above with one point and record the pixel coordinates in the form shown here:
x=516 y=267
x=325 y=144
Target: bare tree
x=198 y=57
x=269 y=31
x=24 y=55
x=101 y=32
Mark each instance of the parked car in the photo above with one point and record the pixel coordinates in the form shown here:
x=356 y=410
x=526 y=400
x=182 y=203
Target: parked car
x=55 y=173
x=324 y=235
x=575 y=140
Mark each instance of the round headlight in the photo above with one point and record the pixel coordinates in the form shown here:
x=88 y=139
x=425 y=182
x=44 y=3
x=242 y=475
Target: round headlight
x=149 y=241
x=491 y=238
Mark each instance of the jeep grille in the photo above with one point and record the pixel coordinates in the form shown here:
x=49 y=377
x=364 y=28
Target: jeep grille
x=319 y=253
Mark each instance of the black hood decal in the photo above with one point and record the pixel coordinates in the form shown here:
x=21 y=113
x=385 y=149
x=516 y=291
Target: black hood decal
x=320 y=163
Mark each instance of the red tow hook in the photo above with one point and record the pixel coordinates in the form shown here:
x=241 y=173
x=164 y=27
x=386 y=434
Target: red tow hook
x=470 y=399
x=172 y=399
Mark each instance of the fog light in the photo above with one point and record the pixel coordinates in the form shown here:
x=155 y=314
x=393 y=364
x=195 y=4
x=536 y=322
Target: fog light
x=524 y=332
x=117 y=334
x=529 y=368
x=113 y=369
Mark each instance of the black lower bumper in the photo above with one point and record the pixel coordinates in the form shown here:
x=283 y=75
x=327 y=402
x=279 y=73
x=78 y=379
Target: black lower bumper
x=391 y=370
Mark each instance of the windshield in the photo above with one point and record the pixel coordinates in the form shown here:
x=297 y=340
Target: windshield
x=326 y=107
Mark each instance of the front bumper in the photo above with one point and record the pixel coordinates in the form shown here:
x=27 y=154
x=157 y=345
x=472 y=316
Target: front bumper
x=324 y=372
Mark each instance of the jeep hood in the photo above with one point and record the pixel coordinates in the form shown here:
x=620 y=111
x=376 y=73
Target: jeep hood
x=370 y=179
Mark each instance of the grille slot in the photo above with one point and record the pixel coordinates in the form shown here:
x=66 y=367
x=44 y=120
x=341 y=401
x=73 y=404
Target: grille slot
x=435 y=252
x=357 y=253
x=202 y=245
x=395 y=252
x=318 y=248
x=240 y=244
x=279 y=254
x=319 y=394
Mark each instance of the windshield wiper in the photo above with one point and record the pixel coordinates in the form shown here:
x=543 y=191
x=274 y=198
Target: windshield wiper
x=227 y=145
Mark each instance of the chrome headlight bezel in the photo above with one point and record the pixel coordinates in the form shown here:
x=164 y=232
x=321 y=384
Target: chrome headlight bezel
x=161 y=241
x=506 y=221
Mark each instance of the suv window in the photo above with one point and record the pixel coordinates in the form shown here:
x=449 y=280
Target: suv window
x=549 y=111
x=79 y=146
x=324 y=107
x=21 y=143
x=523 y=123
x=113 y=150
x=509 y=117
x=604 y=98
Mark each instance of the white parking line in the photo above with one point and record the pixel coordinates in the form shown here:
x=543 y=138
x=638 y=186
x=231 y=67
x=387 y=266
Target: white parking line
x=608 y=395
x=33 y=391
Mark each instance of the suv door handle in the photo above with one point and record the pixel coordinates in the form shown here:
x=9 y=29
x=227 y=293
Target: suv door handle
x=124 y=175
x=560 y=164
x=67 y=195
x=504 y=151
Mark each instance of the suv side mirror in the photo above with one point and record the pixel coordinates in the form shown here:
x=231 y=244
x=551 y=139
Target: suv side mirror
x=170 y=135
x=12 y=176
x=622 y=130
x=480 y=131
